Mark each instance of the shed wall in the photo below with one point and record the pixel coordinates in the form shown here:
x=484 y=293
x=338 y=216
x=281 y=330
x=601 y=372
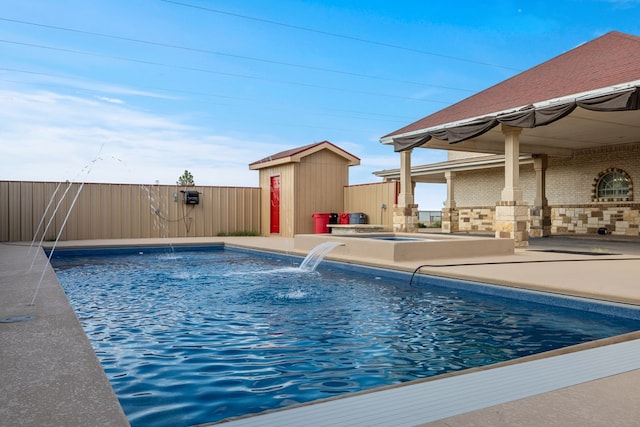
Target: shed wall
x=322 y=178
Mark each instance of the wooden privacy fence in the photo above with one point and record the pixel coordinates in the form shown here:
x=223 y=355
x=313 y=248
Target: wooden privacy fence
x=120 y=211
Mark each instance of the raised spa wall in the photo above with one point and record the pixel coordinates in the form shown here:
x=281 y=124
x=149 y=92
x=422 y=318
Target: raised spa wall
x=365 y=246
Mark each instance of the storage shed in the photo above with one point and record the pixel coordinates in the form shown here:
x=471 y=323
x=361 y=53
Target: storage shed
x=299 y=182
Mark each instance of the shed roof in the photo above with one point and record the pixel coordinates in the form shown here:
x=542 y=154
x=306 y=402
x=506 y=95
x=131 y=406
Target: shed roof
x=294 y=155
x=606 y=65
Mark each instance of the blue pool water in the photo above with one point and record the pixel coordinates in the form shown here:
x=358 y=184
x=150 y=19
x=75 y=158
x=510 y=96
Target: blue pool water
x=195 y=337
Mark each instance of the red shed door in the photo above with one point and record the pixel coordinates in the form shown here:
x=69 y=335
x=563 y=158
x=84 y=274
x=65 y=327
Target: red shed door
x=275 y=204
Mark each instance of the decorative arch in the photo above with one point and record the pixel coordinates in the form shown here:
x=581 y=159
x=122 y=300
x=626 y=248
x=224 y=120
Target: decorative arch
x=612 y=185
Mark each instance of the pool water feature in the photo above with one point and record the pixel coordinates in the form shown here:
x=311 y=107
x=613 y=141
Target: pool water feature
x=317 y=254
x=195 y=337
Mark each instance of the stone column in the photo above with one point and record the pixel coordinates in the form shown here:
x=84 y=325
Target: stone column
x=405 y=213
x=540 y=212
x=512 y=213
x=450 y=216
x=406 y=188
x=512 y=190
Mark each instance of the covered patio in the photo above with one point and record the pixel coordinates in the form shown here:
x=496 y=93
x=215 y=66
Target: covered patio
x=586 y=98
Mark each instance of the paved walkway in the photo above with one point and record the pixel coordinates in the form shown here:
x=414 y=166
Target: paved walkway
x=50 y=376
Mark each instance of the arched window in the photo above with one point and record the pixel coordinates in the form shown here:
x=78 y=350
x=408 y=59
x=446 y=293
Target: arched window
x=613 y=185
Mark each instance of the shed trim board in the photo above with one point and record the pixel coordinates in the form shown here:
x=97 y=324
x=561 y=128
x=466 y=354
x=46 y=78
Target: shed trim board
x=295 y=155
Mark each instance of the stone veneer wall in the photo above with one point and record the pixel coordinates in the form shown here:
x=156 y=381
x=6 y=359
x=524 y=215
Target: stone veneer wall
x=618 y=219
x=621 y=219
x=476 y=218
x=405 y=219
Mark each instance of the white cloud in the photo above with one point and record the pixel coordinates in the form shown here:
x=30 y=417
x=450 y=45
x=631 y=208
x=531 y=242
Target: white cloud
x=48 y=136
x=34 y=79
x=111 y=100
x=52 y=137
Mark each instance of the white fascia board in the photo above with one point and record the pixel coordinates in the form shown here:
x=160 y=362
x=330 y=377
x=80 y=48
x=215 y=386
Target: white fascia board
x=476 y=164
x=547 y=103
x=462 y=166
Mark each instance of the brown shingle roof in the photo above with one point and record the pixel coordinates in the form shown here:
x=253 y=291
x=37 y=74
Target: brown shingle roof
x=302 y=152
x=287 y=153
x=611 y=59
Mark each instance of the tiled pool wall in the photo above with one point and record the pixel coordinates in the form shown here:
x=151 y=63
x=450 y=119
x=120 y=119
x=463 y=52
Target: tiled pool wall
x=565 y=301
x=131 y=250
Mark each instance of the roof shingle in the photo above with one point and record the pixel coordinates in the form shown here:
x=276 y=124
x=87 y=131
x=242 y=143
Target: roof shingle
x=302 y=152
x=609 y=60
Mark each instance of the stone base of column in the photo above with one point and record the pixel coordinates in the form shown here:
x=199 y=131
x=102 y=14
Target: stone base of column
x=512 y=222
x=540 y=221
x=405 y=218
x=450 y=220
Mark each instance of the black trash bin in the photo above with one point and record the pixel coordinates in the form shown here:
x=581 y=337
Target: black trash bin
x=357 y=218
x=333 y=218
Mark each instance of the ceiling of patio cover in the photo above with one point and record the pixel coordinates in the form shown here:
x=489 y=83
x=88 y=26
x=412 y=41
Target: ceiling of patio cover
x=526 y=117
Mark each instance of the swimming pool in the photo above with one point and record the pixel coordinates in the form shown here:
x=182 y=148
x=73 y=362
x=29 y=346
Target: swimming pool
x=194 y=337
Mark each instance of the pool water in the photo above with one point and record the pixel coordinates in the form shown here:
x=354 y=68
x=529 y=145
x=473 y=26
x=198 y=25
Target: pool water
x=195 y=337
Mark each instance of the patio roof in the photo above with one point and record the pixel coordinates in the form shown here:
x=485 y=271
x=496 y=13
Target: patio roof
x=586 y=97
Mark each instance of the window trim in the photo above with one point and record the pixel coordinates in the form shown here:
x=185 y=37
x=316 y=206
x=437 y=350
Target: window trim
x=598 y=180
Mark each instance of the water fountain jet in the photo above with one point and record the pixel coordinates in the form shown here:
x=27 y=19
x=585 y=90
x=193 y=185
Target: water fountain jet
x=53 y=248
x=87 y=169
x=317 y=254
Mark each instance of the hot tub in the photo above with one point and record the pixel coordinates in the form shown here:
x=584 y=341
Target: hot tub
x=400 y=247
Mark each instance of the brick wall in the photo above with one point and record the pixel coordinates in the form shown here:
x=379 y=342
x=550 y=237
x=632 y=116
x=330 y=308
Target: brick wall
x=482 y=188
x=570 y=180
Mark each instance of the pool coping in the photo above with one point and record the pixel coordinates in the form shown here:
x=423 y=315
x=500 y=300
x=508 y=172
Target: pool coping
x=49 y=373
x=432 y=399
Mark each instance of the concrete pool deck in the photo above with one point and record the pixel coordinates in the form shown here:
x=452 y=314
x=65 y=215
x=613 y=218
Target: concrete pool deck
x=49 y=374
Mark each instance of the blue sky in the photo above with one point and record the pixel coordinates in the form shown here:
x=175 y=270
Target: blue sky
x=138 y=91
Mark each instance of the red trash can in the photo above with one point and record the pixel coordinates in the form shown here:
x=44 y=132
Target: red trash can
x=321 y=221
x=344 y=218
